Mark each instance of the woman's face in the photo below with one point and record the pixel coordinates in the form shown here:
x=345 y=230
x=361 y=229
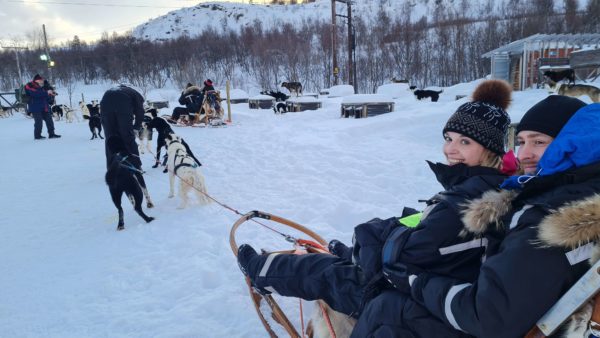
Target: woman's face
x=462 y=149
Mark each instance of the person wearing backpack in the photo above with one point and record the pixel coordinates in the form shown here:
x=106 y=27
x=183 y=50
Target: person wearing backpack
x=39 y=108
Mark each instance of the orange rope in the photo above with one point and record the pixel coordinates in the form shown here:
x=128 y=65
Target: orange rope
x=328 y=320
x=301 y=317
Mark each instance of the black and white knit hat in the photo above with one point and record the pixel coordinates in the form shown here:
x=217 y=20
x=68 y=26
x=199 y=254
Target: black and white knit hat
x=484 y=119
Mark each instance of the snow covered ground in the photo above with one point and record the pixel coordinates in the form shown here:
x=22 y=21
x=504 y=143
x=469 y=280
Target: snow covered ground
x=66 y=272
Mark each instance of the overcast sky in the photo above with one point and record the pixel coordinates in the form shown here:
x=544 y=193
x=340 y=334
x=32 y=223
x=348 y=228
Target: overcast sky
x=84 y=18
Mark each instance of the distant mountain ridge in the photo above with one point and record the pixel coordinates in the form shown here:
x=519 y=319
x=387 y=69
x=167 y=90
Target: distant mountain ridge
x=192 y=21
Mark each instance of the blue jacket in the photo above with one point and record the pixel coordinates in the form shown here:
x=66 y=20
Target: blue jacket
x=38 y=101
x=550 y=234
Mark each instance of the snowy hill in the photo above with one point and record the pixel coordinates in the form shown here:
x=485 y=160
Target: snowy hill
x=218 y=16
x=66 y=272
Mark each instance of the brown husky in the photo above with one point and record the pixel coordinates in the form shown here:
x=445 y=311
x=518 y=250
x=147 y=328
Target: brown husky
x=578 y=90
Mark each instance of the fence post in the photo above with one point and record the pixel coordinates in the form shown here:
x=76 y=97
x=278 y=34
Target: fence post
x=228 y=102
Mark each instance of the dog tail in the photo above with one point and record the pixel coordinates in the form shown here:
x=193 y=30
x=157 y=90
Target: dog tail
x=441 y=91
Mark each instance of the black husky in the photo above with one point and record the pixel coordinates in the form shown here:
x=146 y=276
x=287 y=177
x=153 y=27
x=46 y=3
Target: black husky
x=95 y=122
x=121 y=178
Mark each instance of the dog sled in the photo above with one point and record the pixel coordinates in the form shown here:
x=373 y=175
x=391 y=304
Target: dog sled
x=212 y=108
x=210 y=114
x=316 y=244
x=581 y=303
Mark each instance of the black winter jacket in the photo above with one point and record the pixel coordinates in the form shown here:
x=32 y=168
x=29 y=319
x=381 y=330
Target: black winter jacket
x=192 y=97
x=436 y=244
x=343 y=284
x=550 y=232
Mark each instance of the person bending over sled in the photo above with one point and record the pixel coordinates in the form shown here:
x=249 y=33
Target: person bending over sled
x=386 y=251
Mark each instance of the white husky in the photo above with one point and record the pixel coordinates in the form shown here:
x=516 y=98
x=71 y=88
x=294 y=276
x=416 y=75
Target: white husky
x=180 y=164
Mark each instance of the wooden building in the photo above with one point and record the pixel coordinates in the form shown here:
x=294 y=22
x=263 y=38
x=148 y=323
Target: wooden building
x=521 y=62
x=586 y=63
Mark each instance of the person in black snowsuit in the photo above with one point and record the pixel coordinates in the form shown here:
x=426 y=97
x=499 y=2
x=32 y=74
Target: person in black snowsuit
x=551 y=233
x=191 y=97
x=387 y=252
x=122 y=115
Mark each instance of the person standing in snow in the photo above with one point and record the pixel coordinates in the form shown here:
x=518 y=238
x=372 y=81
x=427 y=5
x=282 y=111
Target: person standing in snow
x=39 y=108
x=387 y=252
x=122 y=114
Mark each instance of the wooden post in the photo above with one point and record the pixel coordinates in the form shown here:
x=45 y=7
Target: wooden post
x=334 y=44
x=512 y=129
x=228 y=102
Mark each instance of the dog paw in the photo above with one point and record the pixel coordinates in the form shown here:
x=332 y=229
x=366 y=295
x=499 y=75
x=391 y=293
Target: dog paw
x=165 y=171
x=171 y=195
x=150 y=205
x=180 y=207
x=150 y=219
x=155 y=165
x=120 y=227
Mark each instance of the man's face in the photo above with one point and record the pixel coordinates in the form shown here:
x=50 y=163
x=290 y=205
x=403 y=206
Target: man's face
x=532 y=145
x=40 y=82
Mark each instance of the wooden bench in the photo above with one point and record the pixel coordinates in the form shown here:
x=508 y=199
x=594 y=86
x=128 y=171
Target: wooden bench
x=158 y=104
x=261 y=102
x=366 y=109
x=298 y=104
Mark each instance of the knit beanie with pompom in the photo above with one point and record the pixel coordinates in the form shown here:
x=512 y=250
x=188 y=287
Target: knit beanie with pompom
x=484 y=118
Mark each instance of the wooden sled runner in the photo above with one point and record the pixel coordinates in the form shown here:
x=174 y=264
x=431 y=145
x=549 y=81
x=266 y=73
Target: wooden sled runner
x=316 y=245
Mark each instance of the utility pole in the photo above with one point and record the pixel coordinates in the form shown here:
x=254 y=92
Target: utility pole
x=16 y=49
x=351 y=42
x=48 y=60
x=351 y=78
x=336 y=69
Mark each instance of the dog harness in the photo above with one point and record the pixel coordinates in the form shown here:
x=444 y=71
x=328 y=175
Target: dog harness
x=182 y=158
x=123 y=163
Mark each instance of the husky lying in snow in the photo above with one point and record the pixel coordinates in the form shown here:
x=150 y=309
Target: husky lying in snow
x=121 y=178
x=186 y=168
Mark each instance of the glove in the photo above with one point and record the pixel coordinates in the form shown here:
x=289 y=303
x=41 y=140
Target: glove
x=418 y=284
x=340 y=249
x=399 y=276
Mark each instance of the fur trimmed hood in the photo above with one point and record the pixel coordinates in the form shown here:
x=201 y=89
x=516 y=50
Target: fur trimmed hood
x=569 y=226
x=191 y=89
